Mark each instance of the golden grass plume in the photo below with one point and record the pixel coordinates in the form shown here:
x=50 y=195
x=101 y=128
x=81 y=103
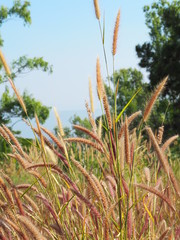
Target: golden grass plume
x=100 y=84
x=91 y=96
x=153 y=99
x=59 y=122
x=97 y=10
x=115 y=36
x=6 y=67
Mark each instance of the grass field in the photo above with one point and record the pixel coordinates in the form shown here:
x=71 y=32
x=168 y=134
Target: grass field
x=120 y=182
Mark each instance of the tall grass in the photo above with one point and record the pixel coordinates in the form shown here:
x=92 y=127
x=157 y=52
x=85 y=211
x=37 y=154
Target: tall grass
x=115 y=185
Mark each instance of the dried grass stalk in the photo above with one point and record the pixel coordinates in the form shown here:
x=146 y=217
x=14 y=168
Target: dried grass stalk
x=129 y=220
x=18 y=202
x=4 y=134
x=164 y=234
x=107 y=110
x=7 y=178
x=130 y=119
x=91 y=119
x=47 y=142
x=2 y=234
x=6 y=191
x=163 y=160
x=106 y=229
x=51 y=155
x=9 y=213
x=145 y=226
x=6 y=67
x=100 y=84
x=57 y=170
x=2 y=204
x=115 y=36
x=40 y=133
x=100 y=128
x=121 y=146
x=20 y=159
x=96 y=7
x=102 y=193
x=136 y=196
x=85 y=141
x=91 y=96
x=12 y=225
x=156 y=192
x=29 y=186
x=54 y=138
x=40 y=178
x=147 y=174
x=13 y=139
x=160 y=134
x=168 y=142
x=126 y=142
x=91 y=134
x=153 y=99
x=59 y=122
x=49 y=206
x=30 y=202
x=125 y=186
x=87 y=202
x=31 y=227
x=89 y=178
x=160 y=154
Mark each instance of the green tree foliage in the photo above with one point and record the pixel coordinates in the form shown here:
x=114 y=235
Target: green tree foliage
x=76 y=120
x=9 y=106
x=160 y=56
x=72 y=132
x=130 y=80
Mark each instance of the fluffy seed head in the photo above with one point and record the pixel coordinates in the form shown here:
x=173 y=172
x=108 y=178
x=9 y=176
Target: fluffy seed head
x=107 y=110
x=6 y=67
x=59 y=122
x=96 y=7
x=91 y=96
x=100 y=86
x=160 y=134
x=126 y=142
x=115 y=36
x=153 y=99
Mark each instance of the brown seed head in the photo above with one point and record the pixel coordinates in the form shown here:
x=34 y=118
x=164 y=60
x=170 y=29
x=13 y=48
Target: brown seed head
x=107 y=110
x=100 y=86
x=96 y=7
x=153 y=99
x=91 y=96
x=6 y=67
x=115 y=36
x=59 y=122
x=126 y=142
x=160 y=134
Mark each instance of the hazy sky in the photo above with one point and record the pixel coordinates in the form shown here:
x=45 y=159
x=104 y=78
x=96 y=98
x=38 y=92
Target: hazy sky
x=66 y=34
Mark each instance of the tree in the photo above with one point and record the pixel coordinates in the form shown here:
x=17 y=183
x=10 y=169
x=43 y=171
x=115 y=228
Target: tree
x=130 y=80
x=161 y=55
x=76 y=120
x=9 y=106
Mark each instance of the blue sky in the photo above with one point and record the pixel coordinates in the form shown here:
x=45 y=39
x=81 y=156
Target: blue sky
x=66 y=34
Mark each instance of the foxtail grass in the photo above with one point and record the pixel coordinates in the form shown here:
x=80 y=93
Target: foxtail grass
x=115 y=36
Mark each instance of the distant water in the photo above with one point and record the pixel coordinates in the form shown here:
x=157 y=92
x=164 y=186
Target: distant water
x=51 y=121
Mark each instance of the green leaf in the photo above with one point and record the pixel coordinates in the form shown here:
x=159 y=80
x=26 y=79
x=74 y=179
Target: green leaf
x=118 y=117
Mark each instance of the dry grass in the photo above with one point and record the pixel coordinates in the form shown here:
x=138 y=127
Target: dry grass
x=83 y=188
